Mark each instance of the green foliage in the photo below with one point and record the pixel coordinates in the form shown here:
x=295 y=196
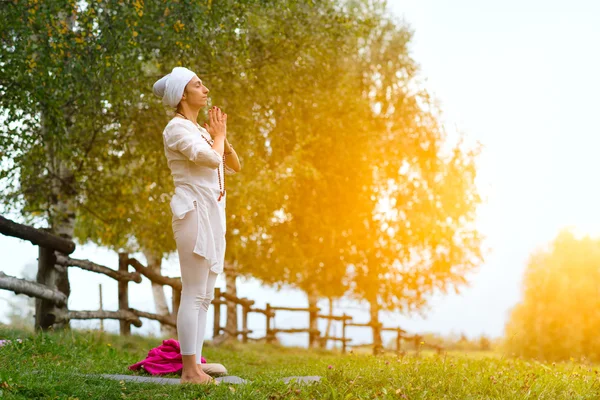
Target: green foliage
x=68 y=76
x=324 y=110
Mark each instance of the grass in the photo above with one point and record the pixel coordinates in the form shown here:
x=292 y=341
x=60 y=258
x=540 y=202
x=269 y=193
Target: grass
x=45 y=366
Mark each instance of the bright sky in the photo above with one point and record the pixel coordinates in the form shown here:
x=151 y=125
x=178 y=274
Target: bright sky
x=523 y=78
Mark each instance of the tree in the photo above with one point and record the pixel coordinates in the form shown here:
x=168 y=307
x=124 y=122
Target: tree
x=557 y=317
x=417 y=235
x=356 y=131
x=68 y=75
x=305 y=189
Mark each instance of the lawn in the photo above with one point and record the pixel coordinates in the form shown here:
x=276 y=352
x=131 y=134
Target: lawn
x=46 y=366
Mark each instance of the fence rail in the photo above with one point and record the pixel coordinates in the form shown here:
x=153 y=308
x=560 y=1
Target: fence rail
x=51 y=301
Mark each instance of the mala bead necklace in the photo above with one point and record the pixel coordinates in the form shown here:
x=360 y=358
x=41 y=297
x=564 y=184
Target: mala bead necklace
x=221 y=185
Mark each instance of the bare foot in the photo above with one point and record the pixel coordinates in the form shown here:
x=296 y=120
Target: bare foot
x=200 y=378
x=207 y=376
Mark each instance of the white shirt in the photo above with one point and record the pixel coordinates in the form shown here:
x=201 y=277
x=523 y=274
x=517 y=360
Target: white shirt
x=194 y=165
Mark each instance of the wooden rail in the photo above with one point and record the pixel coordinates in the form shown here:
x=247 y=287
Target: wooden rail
x=38 y=237
x=51 y=302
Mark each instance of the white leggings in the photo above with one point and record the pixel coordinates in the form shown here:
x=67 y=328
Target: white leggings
x=198 y=286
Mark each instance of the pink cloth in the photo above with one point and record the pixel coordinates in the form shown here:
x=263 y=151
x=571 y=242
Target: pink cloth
x=164 y=359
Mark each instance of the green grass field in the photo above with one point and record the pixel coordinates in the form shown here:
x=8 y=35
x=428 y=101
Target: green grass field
x=45 y=366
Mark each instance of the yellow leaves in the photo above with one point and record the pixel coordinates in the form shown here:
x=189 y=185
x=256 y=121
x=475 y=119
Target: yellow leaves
x=135 y=34
x=121 y=210
x=63 y=28
x=167 y=12
x=139 y=6
x=79 y=40
x=178 y=26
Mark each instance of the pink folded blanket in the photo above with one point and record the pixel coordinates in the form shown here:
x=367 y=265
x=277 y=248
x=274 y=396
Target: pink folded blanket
x=164 y=359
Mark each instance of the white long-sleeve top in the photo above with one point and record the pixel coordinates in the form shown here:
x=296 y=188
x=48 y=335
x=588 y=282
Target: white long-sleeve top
x=194 y=165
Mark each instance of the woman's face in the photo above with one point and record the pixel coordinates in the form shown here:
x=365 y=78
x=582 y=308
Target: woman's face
x=196 y=94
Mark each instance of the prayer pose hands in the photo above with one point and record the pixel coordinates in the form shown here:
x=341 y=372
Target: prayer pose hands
x=217 y=125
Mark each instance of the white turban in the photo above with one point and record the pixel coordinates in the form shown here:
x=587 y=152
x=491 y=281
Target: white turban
x=170 y=87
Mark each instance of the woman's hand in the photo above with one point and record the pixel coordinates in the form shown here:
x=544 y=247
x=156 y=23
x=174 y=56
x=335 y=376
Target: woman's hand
x=218 y=122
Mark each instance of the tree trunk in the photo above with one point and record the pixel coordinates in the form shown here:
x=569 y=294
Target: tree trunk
x=376 y=326
x=62 y=223
x=61 y=218
x=329 y=323
x=154 y=263
x=313 y=299
x=230 y=287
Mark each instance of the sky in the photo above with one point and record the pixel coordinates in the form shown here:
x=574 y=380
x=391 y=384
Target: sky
x=522 y=78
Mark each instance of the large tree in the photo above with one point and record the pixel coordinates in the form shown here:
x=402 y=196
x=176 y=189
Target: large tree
x=68 y=75
x=418 y=234
x=354 y=131
x=294 y=218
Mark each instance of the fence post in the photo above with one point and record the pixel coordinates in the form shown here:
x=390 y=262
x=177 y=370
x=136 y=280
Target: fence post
x=417 y=340
x=398 y=339
x=125 y=327
x=245 y=310
x=101 y=307
x=217 y=319
x=268 y=314
x=377 y=345
x=312 y=322
x=344 y=334
x=175 y=301
x=46 y=312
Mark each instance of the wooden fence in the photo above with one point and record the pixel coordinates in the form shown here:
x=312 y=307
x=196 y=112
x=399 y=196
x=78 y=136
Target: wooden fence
x=51 y=301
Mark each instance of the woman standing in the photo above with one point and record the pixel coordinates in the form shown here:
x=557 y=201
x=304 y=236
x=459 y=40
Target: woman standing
x=198 y=157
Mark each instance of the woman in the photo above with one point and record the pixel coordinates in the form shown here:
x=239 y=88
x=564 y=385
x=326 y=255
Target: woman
x=198 y=158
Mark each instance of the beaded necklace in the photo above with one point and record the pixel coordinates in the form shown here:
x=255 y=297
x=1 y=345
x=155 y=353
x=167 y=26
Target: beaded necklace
x=221 y=185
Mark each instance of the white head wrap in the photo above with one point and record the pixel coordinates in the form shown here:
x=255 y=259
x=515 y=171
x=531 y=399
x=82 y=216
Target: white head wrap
x=170 y=87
